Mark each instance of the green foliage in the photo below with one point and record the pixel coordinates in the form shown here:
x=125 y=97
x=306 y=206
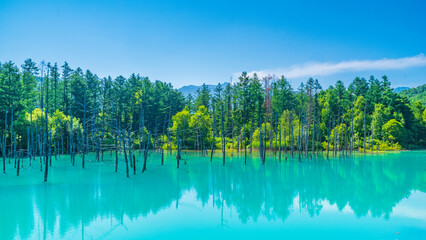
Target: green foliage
x=55 y=119
x=102 y=107
x=203 y=97
x=282 y=97
x=200 y=123
x=394 y=131
x=380 y=117
x=416 y=94
x=181 y=120
x=193 y=128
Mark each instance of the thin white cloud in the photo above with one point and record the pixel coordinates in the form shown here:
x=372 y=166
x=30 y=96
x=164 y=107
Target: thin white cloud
x=323 y=69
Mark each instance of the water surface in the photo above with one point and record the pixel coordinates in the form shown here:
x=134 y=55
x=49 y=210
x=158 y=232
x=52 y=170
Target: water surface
x=380 y=196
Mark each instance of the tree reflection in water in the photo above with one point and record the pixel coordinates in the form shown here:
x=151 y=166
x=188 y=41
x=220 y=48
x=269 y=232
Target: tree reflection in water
x=75 y=197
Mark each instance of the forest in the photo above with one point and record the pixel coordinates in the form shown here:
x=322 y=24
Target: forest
x=48 y=110
x=416 y=94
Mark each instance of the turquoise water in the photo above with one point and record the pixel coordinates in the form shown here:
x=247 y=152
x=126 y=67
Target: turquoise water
x=381 y=196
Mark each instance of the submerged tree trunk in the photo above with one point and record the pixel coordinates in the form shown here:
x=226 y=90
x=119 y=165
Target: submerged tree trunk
x=72 y=141
x=145 y=154
x=339 y=122
x=335 y=129
x=285 y=144
x=4 y=143
x=84 y=129
x=14 y=148
x=264 y=142
x=62 y=138
x=271 y=133
x=290 y=122
x=11 y=136
x=143 y=127
x=125 y=153
x=131 y=157
x=31 y=148
x=223 y=137
x=251 y=133
x=116 y=150
x=46 y=132
x=213 y=135
x=365 y=127
x=328 y=139
x=18 y=166
x=56 y=141
x=279 y=144
x=260 y=139
x=162 y=156
x=28 y=145
x=307 y=138
x=319 y=134
x=178 y=147
x=313 y=135
x=244 y=142
x=299 y=137
x=352 y=131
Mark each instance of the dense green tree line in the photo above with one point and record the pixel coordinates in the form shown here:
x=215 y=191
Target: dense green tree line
x=84 y=112
x=47 y=109
x=367 y=114
x=416 y=94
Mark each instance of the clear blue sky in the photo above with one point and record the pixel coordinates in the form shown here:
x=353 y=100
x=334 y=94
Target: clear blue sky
x=191 y=42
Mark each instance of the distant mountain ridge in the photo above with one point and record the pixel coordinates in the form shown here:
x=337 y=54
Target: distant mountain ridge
x=400 y=89
x=192 y=89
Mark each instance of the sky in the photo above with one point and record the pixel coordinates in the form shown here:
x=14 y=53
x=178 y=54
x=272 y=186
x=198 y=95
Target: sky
x=193 y=42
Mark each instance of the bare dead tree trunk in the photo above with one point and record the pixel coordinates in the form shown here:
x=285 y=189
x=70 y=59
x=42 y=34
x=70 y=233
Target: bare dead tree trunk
x=11 y=137
x=334 y=128
x=84 y=130
x=14 y=148
x=72 y=142
x=178 y=147
x=17 y=168
x=261 y=139
x=319 y=134
x=28 y=145
x=279 y=144
x=285 y=142
x=223 y=137
x=244 y=142
x=313 y=134
x=251 y=133
x=213 y=135
x=365 y=126
x=31 y=148
x=146 y=153
x=143 y=127
x=307 y=137
x=102 y=133
x=271 y=136
x=162 y=156
x=299 y=137
x=55 y=140
x=290 y=122
x=264 y=141
x=328 y=139
x=4 y=150
x=131 y=156
x=62 y=137
x=46 y=132
x=125 y=153
x=116 y=145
